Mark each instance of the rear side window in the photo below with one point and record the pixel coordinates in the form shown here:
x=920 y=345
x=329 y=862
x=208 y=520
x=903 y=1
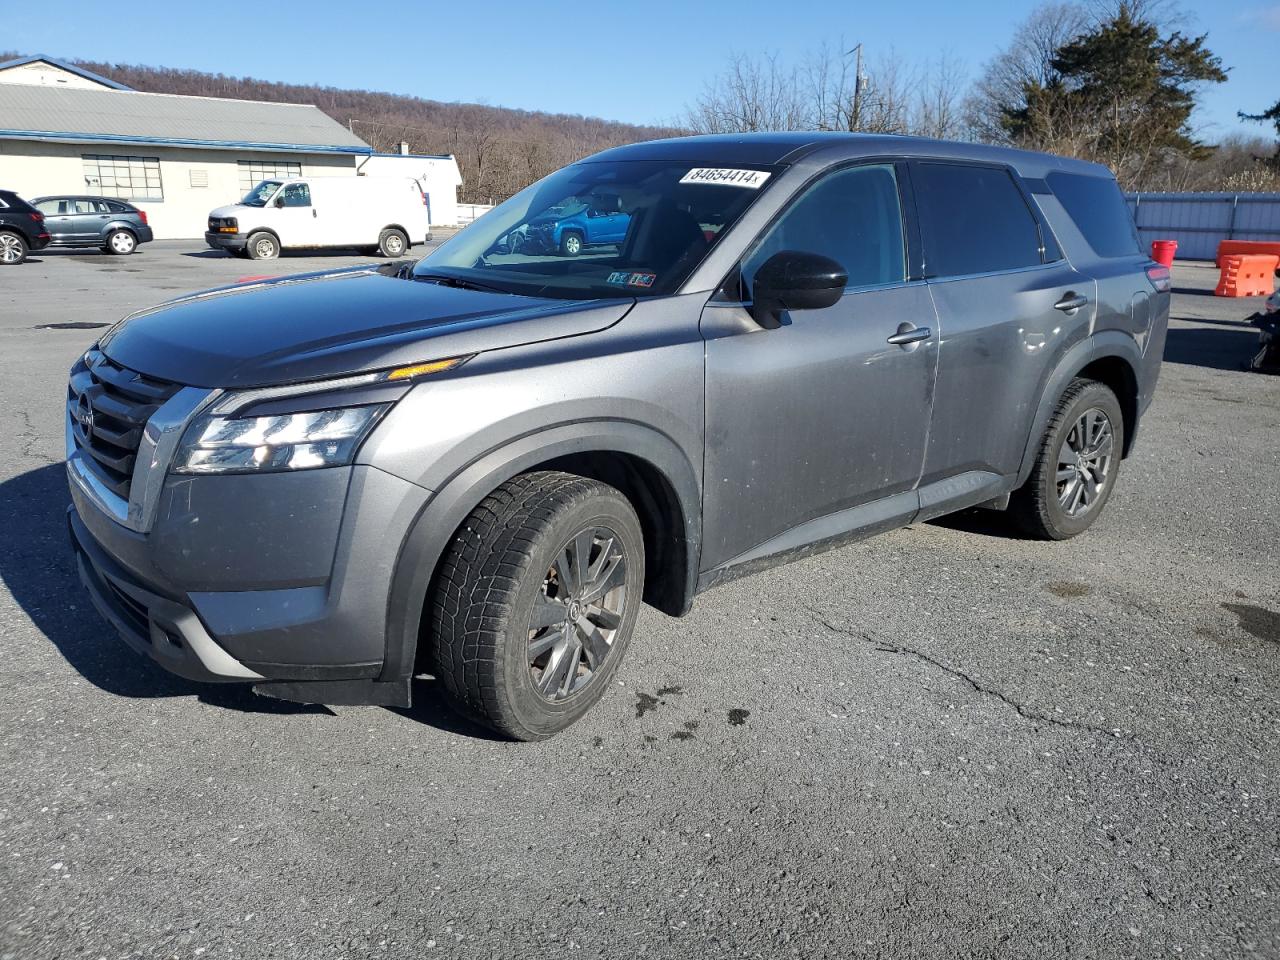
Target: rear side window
x=974 y=219
x=116 y=207
x=852 y=216
x=1097 y=206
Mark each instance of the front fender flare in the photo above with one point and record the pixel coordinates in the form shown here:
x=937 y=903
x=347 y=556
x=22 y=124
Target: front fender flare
x=428 y=535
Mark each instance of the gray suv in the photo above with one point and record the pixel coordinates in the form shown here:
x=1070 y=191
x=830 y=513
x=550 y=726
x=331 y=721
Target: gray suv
x=479 y=465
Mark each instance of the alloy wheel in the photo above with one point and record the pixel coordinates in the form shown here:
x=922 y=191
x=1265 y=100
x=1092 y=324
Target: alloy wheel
x=10 y=248
x=1084 y=462
x=577 y=613
x=572 y=245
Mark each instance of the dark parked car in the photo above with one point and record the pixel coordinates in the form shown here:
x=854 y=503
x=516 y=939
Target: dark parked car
x=21 y=228
x=480 y=465
x=115 y=226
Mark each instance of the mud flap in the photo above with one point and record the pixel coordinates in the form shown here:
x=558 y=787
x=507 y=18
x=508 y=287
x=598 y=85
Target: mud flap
x=339 y=693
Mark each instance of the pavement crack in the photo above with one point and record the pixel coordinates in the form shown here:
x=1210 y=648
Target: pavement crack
x=1027 y=713
x=28 y=438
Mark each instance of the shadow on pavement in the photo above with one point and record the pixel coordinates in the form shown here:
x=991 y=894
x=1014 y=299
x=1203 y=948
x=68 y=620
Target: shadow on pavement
x=36 y=565
x=1219 y=349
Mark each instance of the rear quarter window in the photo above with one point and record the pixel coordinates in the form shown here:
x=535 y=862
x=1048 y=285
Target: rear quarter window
x=1097 y=206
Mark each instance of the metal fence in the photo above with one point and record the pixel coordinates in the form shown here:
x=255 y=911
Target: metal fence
x=1199 y=220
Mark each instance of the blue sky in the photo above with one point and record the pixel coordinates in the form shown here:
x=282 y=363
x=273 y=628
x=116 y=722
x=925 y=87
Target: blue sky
x=638 y=62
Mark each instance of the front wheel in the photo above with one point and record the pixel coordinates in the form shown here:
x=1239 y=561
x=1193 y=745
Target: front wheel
x=1076 y=467
x=535 y=602
x=121 y=243
x=263 y=246
x=571 y=244
x=392 y=243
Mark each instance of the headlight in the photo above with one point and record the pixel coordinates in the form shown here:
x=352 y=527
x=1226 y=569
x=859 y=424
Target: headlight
x=289 y=441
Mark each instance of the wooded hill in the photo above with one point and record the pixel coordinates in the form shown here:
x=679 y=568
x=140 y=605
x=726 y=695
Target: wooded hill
x=499 y=149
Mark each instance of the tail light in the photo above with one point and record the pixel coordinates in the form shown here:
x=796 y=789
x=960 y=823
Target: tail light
x=1159 y=276
x=37 y=216
x=143 y=215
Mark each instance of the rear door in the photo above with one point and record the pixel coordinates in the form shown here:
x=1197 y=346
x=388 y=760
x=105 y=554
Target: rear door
x=818 y=428
x=1009 y=306
x=88 y=219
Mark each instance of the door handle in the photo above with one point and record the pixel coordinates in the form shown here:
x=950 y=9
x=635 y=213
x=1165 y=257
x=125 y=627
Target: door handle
x=1070 y=302
x=909 y=334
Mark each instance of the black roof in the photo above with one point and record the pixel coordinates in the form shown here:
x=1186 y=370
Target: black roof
x=760 y=149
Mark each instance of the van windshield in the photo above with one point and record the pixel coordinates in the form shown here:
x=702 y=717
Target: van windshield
x=259 y=195
x=604 y=229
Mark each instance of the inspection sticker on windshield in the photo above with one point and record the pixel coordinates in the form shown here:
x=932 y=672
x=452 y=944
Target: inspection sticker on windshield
x=625 y=278
x=751 y=179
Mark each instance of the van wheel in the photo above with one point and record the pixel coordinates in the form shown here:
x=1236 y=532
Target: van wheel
x=13 y=248
x=121 y=243
x=1076 y=467
x=571 y=244
x=535 y=601
x=392 y=243
x=263 y=246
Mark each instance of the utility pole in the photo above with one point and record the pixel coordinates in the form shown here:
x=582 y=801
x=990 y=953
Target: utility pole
x=859 y=81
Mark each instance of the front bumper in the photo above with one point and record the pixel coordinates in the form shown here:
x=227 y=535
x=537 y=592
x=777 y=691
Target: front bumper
x=226 y=241
x=281 y=580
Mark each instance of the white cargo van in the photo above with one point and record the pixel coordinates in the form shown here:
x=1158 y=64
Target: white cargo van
x=387 y=214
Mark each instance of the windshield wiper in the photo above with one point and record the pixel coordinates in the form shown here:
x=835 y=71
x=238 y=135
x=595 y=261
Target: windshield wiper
x=459 y=282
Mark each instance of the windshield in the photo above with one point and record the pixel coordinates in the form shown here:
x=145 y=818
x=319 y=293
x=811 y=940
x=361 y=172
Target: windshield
x=259 y=195
x=613 y=229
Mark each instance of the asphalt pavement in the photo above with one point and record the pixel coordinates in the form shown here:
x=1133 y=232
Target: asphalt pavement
x=943 y=742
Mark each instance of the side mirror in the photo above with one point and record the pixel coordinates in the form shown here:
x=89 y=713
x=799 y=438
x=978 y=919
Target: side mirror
x=793 y=280
x=279 y=201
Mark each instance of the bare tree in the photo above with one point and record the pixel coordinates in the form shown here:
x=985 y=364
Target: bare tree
x=750 y=94
x=1027 y=61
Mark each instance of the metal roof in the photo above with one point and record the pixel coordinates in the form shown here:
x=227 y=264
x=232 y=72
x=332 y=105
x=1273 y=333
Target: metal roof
x=128 y=117
x=69 y=67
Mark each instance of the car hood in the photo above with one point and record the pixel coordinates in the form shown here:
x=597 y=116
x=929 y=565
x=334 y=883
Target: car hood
x=331 y=324
x=232 y=210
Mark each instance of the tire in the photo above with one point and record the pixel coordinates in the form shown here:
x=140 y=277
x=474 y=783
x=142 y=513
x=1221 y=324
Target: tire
x=13 y=248
x=571 y=243
x=121 y=243
x=1076 y=467
x=514 y=556
x=393 y=243
x=262 y=246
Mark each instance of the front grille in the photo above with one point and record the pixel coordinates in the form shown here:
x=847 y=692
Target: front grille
x=109 y=406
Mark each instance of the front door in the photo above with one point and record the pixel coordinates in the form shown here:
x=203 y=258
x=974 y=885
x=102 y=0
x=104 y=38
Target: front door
x=818 y=429
x=295 y=217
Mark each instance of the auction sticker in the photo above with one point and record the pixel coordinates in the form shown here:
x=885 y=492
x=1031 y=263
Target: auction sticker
x=751 y=179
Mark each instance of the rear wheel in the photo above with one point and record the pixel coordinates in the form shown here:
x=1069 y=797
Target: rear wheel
x=263 y=246
x=392 y=243
x=121 y=243
x=1076 y=467
x=535 y=602
x=13 y=248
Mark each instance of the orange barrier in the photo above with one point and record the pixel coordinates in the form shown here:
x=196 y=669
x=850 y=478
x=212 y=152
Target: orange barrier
x=1231 y=248
x=1247 y=276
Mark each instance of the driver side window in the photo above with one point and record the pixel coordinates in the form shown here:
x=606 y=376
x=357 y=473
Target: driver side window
x=297 y=195
x=852 y=216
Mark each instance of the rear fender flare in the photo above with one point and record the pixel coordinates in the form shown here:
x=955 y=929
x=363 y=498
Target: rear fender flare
x=1108 y=343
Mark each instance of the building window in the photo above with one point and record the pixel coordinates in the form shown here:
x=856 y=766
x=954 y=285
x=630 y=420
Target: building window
x=253 y=172
x=128 y=178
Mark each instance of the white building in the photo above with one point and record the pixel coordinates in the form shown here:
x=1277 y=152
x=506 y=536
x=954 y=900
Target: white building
x=65 y=130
